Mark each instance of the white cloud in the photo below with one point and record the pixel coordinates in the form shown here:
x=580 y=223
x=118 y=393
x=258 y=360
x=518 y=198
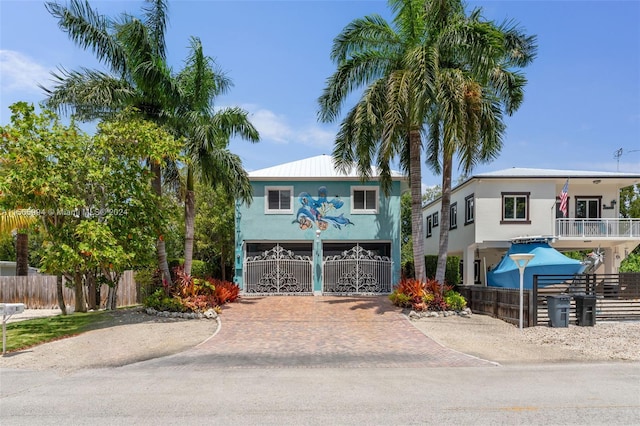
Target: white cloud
x=276 y=128
x=317 y=137
x=20 y=72
x=272 y=126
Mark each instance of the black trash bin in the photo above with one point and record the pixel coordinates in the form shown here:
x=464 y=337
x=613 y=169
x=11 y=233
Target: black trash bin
x=585 y=309
x=558 y=307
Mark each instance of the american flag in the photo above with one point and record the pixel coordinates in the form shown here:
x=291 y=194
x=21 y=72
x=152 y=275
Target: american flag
x=563 y=198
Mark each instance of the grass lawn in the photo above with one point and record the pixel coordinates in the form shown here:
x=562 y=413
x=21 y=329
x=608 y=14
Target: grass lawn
x=23 y=334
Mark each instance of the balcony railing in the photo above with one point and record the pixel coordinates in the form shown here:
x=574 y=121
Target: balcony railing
x=598 y=228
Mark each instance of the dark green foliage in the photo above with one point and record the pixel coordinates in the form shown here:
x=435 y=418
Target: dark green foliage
x=631 y=263
x=199 y=268
x=147 y=281
x=159 y=301
x=452 y=274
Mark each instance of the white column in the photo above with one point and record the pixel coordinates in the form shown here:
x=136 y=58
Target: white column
x=468 y=256
x=609 y=262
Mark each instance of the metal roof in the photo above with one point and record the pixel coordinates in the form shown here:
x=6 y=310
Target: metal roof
x=318 y=167
x=518 y=172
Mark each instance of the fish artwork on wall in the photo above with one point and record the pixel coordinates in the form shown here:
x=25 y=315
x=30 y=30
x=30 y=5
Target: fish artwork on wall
x=320 y=212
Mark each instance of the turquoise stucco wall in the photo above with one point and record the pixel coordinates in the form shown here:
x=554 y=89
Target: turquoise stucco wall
x=252 y=224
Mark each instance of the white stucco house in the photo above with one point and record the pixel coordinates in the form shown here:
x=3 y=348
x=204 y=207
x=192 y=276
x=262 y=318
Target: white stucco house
x=490 y=210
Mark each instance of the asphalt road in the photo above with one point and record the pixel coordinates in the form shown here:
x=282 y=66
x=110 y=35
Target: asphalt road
x=166 y=391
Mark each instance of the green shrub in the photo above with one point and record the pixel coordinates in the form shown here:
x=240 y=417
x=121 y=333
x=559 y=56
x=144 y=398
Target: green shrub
x=400 y=299
x=147 y=281
x=455 y=301
x=452 y=271
x=200 y=269
x=159 y=301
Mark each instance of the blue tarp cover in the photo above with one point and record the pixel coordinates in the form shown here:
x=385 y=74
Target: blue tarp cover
x=547 y=261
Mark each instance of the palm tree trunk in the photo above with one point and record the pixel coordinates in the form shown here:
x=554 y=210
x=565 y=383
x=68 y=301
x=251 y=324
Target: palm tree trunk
x=163 y=265
x=61 y=302
x=189 y=221
x=445 y=219
x=415 y=180
x=22 y=254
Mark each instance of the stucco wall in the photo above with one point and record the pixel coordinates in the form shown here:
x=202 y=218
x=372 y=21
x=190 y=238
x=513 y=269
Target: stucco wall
x=254 y=225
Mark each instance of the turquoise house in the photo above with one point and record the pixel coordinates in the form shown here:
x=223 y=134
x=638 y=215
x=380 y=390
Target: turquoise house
x=313 y=230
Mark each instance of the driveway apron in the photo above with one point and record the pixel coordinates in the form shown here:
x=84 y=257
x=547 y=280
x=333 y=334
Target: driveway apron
x=318 y=332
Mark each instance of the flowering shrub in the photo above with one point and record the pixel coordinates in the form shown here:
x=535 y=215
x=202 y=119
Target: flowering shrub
x=426 y=295
x=190 y=294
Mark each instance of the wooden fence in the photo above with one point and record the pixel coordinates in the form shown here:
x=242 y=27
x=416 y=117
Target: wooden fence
x=617 y=298
x=503 y=303
x=617 y=295
x=39 y=291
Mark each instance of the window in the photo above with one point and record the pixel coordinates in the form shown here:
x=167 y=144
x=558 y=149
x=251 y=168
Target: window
x=435 y=220
x=588 y=207
x=364 y=199
x=279 y=200
x=453 y=216
x=429 y=225
x=515 y=207
x=468 y=209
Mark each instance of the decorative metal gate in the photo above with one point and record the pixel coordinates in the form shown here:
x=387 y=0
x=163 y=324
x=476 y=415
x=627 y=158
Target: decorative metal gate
x=278 y=270
x=356 y=271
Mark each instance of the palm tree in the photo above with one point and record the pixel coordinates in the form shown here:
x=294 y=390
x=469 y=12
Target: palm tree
x=134 y=52
x=474 y=66
x=207 y=133
x=388 y=120
x=11 y=221
x=435 y=72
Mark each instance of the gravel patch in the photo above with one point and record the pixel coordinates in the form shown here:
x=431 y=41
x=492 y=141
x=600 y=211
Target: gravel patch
x=495 y=340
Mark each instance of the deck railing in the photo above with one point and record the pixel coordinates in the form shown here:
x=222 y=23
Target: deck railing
x=598 y=228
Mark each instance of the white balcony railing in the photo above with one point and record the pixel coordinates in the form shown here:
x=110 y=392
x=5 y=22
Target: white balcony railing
x=598 y=228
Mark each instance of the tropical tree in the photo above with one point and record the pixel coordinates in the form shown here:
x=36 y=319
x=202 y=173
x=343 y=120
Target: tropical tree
x=134 y=52
x=18 y=221
x=474 y=68
x=435 y=73
x=207 y=133
x=214 y=228
x=92 y=193
x=387 y=122
x=630 y=201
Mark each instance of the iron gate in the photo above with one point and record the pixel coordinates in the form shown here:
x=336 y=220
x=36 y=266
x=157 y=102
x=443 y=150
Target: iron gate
x=278 y=270
x=356 y=271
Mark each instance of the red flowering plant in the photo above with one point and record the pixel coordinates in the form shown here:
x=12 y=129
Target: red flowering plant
x=190 y=294
x=425 y=295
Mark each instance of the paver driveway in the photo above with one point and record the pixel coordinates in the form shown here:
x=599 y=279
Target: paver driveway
x=308 y=332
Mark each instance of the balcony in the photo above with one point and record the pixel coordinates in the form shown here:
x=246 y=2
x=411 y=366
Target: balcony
x=598 y=228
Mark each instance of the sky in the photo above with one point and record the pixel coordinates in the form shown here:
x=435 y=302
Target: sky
x=581 y=105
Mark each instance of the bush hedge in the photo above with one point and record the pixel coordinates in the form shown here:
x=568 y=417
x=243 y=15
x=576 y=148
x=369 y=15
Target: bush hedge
x=451 y=275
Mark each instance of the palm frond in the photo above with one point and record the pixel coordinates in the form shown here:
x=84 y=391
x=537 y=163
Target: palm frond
x=360 y=70
x=222 y=167
x=89 y=30
x=156 y=22
x=89 y=94
x=371 y=33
